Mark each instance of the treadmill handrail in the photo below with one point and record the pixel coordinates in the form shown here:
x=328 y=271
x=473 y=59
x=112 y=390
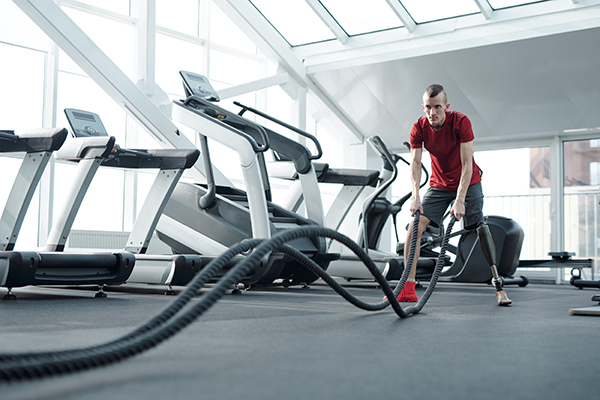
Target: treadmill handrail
x=258 y=148
x=32 y=140
x=77 y=149
x=9 y=135
x=152 y=158
x=285 y=125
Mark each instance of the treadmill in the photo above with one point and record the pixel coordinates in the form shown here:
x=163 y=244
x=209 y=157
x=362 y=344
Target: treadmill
x=353 y=180
x=207 y=219
x=25 y=268
x=376 y=208
x=91 y=147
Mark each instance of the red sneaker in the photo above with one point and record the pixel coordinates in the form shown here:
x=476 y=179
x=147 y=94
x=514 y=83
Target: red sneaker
x=408 y=294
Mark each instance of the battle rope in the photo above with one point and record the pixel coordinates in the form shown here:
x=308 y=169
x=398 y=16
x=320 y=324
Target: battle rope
x=18 y=366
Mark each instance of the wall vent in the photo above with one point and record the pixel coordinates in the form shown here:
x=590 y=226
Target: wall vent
x=109 y=240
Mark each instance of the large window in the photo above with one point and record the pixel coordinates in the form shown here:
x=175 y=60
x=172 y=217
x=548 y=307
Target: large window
x=17 y=29
x=21 y=87
x=219 y=50
x=582 y=196
x=116 y=6
x=181 y=15
x=581 y=163
x=22 y=82
x=173 y=55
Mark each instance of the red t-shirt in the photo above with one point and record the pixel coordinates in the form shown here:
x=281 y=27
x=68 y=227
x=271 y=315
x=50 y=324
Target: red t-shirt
x=444 y=148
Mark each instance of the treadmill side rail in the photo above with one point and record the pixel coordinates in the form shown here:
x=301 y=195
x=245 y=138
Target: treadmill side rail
x=24 y=268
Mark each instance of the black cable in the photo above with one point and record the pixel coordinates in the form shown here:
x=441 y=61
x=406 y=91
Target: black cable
x=20 y=366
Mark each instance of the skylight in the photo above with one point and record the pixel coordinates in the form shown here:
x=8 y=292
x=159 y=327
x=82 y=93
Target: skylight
x=302 y=22
x=357 y=17
x=498 y=4
x=432 y=10
x=294 y=20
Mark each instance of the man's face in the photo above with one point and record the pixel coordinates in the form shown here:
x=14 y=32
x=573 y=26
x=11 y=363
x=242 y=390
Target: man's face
x=435 y=110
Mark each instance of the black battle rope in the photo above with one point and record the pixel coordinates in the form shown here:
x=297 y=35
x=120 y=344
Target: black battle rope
x=170 y=321
x=173 y=308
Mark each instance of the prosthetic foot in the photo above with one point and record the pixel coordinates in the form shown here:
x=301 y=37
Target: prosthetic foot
x=489 y=252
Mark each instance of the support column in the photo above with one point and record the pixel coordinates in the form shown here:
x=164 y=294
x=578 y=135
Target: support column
x=46 y=184
x=299 y=116
x=557 y=191
x=204 y=34
x=146 y=65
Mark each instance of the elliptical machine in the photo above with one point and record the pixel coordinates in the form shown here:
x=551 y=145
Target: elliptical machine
x=470 y=263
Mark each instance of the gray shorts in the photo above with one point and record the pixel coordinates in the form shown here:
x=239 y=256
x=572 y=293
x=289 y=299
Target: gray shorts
x=436 y=202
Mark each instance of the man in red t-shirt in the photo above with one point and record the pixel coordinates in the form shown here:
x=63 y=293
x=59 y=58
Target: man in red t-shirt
x=448 y=137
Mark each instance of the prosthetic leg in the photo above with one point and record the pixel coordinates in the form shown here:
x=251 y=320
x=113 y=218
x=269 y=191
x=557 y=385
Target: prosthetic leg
x=489 y=252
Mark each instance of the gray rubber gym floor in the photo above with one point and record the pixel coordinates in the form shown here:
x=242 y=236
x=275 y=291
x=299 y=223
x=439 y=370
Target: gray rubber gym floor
x=311 y=344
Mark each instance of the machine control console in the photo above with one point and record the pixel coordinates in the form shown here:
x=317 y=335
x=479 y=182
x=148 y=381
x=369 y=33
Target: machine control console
x=85 y=123
x=198 y=85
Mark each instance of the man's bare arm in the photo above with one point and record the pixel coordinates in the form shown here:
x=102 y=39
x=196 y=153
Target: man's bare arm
x=415 y=180
x=466 y=158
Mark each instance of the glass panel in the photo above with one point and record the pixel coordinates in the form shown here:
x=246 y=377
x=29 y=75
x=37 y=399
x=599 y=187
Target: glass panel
x=231 y=69
x=17 y=28
x=27 y=239
x=223 y=31
x=582 y=227
x=116 y=39
x=305 y=27
x=172 y=56
x=595 y=173
x=66 y=64
x=21 y=83
x=540 y=167
x=75 y=91
x=145 y=179
x=102 y=207
x=9 y=167
x=358 y=16
x=498 y=4
x=180 y=15
x=117 y=6
x=581 y=159
x=582 y=195
x=511 y=179
x=138 y=137
x=432 y=10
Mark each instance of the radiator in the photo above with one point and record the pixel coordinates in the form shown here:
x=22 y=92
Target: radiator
x=103 y=240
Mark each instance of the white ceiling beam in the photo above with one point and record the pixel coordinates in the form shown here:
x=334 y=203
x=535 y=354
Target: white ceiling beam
x=254 y=86
x=485 y=8
x=326 y=17
x=245 y=16
x=402 y=14
x=519 y=23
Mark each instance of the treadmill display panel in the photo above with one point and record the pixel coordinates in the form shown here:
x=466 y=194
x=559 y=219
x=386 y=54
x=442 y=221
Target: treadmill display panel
x=85 y=123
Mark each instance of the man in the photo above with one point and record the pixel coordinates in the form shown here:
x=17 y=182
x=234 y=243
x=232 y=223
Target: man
x=455 y=176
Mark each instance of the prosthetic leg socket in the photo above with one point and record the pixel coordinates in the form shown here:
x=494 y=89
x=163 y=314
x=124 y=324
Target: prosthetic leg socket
x=489 y=252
